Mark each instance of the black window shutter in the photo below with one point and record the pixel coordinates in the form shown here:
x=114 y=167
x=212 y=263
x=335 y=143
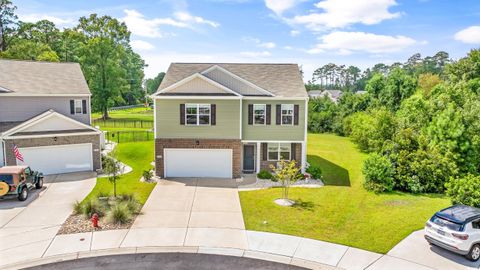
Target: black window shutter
x=250 y=114
x=296 y=109
x=213 y=113
x=279 y=114
x=84 y=106
x=182 y=114
x=268 y=114
x=264 y=151
x=293 y=151
x=72 y=106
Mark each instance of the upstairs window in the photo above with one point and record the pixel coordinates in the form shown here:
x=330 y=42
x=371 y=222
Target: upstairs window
x=287 y=114
x=277 y=151
x=259 y=114
x=197 y=114
x=78 y=106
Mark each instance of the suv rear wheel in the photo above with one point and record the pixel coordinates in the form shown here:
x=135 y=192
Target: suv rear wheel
x=474 y=253
x=23 y=194
x=39 y=183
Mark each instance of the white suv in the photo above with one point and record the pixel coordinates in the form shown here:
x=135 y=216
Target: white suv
x=457 y=229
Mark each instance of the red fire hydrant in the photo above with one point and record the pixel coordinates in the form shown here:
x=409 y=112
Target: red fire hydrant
x=95 y=220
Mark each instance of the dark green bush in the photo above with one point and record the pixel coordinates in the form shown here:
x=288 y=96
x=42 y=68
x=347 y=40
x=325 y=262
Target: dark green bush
x=264 y=174
x=465 y=190
x=378 y=171
x=147 y=175
x=314 y=171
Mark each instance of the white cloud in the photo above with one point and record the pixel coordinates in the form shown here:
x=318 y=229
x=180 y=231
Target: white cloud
x=186 y=17
x=345 y=43
x=342 y=13
x=267 y=45
x=294 y=33
x=259 y=43
x=35 y=17
x=140 y=26
x=280 y=6
x=469 y=35
x=256 y=54
x=141 y=45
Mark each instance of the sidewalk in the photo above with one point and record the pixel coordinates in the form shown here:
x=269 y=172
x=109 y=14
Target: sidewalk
x=260 y=245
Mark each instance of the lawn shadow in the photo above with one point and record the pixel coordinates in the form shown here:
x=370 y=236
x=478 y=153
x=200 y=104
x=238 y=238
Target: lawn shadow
x=304 y=205
x=333 y=175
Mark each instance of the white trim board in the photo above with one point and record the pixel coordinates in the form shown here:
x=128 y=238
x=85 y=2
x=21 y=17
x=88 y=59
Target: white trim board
x=238 y=78
x=42 y=117
x=197 y=97
x=13 y=94
x=195 y=76
x=50 y=135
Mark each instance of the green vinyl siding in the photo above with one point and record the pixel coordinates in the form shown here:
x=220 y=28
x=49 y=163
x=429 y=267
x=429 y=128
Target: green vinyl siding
x=168 y=120
x=274 y=131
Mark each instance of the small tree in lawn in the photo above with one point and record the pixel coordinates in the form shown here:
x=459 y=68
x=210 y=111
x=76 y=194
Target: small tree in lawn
x=287 y=173
x=113 y=168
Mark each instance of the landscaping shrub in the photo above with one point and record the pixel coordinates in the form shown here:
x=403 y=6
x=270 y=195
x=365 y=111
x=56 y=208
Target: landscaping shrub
x=465 y=190
x=77 y=208
x=106 y=161
x=378 y=171
x=119 y=214
x=131 y=203
x=314 y=171
x=147 y=175
x=93 y=206
x=264 y=174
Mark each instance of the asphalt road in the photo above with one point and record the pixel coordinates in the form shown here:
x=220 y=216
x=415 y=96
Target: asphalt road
x=166 y=261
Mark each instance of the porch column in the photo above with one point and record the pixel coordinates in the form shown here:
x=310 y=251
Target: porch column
x=304 y=156
x=257 y=157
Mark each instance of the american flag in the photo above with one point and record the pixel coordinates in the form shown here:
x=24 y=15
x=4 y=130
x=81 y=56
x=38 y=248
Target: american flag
x=17 y=153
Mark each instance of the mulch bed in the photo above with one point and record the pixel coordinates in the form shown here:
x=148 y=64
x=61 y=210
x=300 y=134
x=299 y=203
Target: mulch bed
x=78 y=224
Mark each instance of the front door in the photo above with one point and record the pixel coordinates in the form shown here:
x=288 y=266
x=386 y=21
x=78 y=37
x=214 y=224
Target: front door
x=249 y=158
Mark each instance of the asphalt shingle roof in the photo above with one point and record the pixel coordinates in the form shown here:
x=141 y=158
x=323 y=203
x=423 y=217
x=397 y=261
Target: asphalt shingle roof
x=283 y=80
x=41 y=78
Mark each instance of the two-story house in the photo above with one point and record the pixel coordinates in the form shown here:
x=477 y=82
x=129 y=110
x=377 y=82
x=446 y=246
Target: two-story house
x=45 y=114
x=222 y=120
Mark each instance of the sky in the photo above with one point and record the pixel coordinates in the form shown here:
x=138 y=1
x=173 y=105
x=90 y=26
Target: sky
x=309 y=33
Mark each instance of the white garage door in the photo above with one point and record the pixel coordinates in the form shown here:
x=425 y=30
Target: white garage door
x=58 y=158
x=198 y=163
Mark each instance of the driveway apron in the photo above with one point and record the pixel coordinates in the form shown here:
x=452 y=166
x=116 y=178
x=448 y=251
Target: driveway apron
x=204 y=211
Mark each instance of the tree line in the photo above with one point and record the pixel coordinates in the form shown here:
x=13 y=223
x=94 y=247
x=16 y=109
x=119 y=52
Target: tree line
x=352 y=78
x=420 y=124
x=101 y=44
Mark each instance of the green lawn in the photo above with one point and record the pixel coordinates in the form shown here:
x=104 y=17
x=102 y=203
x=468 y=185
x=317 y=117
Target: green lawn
x=134 y=114
x=341 y=212
x=138 y=155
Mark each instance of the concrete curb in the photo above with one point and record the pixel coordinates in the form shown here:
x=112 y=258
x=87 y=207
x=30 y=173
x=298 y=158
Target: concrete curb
x=185 y=249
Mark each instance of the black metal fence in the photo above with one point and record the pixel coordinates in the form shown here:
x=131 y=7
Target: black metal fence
x=129 y=136
x=114 y=123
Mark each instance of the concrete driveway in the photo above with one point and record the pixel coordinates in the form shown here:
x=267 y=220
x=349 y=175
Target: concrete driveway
x=27 y=228
x=191 y=211
x=193 y=203
x=414 y=248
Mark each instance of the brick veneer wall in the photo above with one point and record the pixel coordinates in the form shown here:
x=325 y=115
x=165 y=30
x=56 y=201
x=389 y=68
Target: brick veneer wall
x=265 y=164
x=61 y=140
x=235 y=145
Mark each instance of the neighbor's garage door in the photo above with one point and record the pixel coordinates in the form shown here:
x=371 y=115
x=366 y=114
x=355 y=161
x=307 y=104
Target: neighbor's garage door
x=198 y=163
x=59 y=158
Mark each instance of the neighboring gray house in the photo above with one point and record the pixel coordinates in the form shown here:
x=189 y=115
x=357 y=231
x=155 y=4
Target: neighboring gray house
x=45 y=112
x=334 y=95
x=222 y=120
